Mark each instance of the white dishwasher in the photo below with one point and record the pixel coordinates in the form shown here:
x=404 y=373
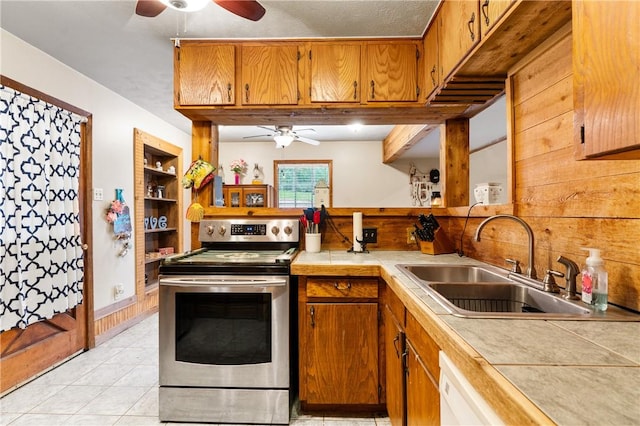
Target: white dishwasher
x=460 y=403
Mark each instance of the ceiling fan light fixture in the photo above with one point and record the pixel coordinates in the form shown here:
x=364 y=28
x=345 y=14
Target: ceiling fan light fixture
x=283 y=141
x=186 y=5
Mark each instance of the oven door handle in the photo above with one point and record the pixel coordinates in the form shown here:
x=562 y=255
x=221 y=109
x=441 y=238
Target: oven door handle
x=190 y=282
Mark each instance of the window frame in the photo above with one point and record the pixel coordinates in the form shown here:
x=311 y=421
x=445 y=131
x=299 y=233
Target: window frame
x=276 y=176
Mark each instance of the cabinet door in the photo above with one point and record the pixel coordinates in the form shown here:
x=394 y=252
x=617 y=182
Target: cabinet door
x=254 y=197
x=335 y=72
x=341 y=353
x=605 y=69
x=460 y=31
x=423 y=396
x=431 y=49
x=394 y=350
x=270 y=74
x=490 y=12
x=205 y=74
x=391 y=72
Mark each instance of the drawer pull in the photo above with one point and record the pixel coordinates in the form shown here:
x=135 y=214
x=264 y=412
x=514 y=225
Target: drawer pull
x=313 y=317
x=339 y=287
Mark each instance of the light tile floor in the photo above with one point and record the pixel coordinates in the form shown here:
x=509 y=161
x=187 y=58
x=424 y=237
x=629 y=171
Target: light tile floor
x=114 y=384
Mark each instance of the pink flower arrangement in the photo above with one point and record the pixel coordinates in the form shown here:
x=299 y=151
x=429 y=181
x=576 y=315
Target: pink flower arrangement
x=114 y=210
x=238 y=166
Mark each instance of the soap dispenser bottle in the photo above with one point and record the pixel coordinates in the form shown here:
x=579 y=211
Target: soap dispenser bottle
x=594 y=281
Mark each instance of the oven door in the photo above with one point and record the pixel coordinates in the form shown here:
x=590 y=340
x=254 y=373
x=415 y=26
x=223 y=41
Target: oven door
x=224 y=331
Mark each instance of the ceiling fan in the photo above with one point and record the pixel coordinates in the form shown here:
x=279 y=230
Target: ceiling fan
x=284 y=135
x=249 y=9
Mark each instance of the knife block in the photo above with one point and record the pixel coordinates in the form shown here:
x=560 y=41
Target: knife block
x=440 y=244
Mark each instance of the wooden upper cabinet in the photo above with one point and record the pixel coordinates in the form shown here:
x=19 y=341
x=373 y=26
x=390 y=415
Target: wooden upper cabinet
x=270 y=74
x=431 y=60
x=335 y=72
x=391 y=71
x=205 y=73
x=490 y=12
x=606 y=78
x=460 y=31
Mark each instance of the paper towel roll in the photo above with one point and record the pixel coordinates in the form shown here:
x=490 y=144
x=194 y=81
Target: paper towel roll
x=357 y=231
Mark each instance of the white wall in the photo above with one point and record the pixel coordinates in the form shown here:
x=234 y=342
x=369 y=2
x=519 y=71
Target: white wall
x=360 y=177
x=114 y=119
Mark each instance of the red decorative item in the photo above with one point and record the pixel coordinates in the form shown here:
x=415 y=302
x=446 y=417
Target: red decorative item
x=237 y=177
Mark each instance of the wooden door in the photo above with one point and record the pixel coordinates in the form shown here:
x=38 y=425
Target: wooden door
x=270 y=74
x=391 y=71
x=335 y=72
x=431 y=49
x=490 y=12
x=423 y=395
x=460 y=31
x=394 y=349
x=205 y=73
x=26 y=353
x=605 y=69
x=341 y=353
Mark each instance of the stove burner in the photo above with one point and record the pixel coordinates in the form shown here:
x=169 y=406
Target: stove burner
x=239 y=255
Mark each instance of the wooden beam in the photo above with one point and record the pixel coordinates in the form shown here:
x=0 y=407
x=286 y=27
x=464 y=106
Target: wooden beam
x=454 y=162
x=401 y=138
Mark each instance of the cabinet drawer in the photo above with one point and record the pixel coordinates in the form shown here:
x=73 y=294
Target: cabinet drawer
x=342 y=287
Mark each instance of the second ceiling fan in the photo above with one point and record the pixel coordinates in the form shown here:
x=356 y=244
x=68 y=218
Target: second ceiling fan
x=248 y=9
x=284 y=135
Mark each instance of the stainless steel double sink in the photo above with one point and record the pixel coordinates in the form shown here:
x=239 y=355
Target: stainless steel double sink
x=472 y=291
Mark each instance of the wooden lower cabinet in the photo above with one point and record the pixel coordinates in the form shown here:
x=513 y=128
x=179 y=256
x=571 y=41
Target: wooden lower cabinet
x=394 y=343
x=423 y=396
x=413 y=397
x=339 y=342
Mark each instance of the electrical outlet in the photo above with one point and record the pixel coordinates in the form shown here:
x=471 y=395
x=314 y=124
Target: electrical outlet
x=98 y=194
x=118 y=291
x=370 y=235
x=411 y=238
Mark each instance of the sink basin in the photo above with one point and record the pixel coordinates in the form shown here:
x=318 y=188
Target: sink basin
x=455 y=273
x=504 y=299
x=472 y=291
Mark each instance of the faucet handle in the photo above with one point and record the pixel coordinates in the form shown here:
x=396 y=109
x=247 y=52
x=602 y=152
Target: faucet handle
x=516 y=265
x=549 y=283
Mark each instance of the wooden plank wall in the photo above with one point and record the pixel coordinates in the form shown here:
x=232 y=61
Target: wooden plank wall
x=569 y=204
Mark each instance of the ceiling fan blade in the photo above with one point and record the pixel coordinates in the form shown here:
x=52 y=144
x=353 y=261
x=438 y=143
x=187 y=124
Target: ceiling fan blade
x=257 y=136
x=308 y=129
x=268 y=128
x=149 y=8
x=249 y=9
x=307 y=140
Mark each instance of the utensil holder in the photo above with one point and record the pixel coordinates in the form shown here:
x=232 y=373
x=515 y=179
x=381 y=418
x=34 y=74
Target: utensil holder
x=312 y=242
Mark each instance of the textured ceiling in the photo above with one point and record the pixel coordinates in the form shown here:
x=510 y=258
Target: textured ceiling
x=132 y=55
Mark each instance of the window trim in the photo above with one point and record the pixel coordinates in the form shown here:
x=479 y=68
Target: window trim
x=276 y=176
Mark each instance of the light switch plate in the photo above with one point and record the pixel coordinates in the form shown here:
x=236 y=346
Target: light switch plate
x=98 y=194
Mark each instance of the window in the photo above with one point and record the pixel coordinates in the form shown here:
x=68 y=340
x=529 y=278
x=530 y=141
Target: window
x=295 y=181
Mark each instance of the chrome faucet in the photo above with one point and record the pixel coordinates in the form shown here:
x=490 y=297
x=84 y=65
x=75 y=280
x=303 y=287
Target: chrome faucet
x=531 y=272
x=570 y=278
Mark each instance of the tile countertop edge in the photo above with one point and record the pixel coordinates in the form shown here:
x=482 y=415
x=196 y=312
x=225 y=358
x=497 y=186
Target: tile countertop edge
x=506 y=399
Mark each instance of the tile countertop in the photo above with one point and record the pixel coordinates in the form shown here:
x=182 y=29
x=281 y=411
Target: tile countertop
x=569 y=372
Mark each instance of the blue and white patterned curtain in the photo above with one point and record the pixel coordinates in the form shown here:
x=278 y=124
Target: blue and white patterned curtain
x=41 y=249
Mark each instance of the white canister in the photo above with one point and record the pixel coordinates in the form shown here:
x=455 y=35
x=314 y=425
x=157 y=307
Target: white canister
x=312 y=242
x=487 y=192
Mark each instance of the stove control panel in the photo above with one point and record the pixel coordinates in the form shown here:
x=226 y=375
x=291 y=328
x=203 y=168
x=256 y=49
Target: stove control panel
x=249 y=230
